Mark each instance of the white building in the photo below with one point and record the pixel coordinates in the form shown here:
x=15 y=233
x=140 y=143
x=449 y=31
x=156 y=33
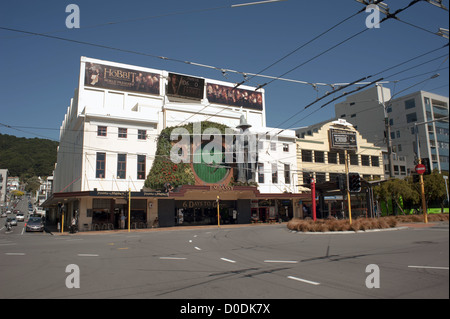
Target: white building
x=3 y=185
x=108 y=142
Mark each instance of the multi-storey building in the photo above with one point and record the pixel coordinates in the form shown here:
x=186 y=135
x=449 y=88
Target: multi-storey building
x=109 y=142
x=367 y=111
x=3 y=185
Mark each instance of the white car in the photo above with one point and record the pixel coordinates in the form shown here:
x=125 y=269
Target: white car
x=20 y=217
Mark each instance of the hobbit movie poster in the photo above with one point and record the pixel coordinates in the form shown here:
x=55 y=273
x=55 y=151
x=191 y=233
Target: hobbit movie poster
x=114 y=78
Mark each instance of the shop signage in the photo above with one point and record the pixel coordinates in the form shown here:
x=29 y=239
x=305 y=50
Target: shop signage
x=342 y=139
x=124 y=194
x=185 y=86
x=199 y=204
x=234 y=97
x=221 y=188
x=114 y=78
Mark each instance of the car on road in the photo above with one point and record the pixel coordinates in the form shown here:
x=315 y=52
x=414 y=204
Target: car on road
x=35 y=224
x=4 y=214
x=20 y=217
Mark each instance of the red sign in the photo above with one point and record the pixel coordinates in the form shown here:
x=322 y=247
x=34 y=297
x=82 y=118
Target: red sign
x=420 y=168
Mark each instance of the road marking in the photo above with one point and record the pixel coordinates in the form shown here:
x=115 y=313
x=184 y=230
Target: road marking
x=429 y=267
x=229 y=260
x=123 y=248
x=87 y=255
x=282 y=261
x=197 y=248
x=190 y=240
x=173 y=258
x=304 y=280
x=15 y=254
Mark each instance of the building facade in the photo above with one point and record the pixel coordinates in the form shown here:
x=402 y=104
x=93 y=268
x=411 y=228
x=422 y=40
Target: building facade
x=109 y=143
x=324 y=161
x=366 y=110
x=3 y=186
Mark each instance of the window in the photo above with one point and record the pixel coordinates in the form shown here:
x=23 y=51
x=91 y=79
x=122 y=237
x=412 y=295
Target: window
x=332 y=158
x=391 y=122
x=142 y=134
x=410 y=104
x=121 y=166
x=101 y=131
x=353 y=115
x=100 y=165
x=306 y=156
x=365 y=160
x=375 y=161
x=273 y=146
x=354 y=159
x=399 y=147
x=260 y=145
x=307 y=178
x=320 y=178
x=274 y=173
x=285 y=147
x=319 y=157
x=411 y=117
x=287 y=174
x=141 y=167
x=392 y=135
x=398 y=134
x=261 y=173
x=123 y=132
x=342 y=158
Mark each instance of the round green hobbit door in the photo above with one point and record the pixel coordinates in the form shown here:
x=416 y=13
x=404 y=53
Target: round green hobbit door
x=209 y=164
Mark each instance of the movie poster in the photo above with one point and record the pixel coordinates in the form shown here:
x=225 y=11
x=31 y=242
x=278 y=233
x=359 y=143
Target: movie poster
x=185 y=86
x=234 y=97
x=114 y=78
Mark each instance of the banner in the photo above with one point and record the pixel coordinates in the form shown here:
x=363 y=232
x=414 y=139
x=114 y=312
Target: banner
x=234 y=97
x=185 y=86
x=114 y=78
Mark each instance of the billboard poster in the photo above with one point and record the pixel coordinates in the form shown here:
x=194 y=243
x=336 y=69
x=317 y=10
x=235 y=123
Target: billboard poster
x=185 y=86
x=343 y=139
x=114 y=78
x=221 y=94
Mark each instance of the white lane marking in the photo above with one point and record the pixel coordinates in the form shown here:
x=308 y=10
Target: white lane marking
x=88 y=255
x=174 y=258
x=282 y=261
x=15 y=254
x=197 y=248
x=304 y=280
x=195 y=236
x=190 y=240
x=229 y=260
x=429 y=267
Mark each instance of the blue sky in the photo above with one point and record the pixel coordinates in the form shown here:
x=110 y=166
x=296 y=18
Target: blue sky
x=39 y=75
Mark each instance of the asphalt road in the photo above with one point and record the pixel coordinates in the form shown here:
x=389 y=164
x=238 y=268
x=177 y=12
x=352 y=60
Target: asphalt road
x=251 y=262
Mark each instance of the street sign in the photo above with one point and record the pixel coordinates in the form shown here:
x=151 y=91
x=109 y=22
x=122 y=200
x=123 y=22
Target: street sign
x=342 y=139
x=420 y=168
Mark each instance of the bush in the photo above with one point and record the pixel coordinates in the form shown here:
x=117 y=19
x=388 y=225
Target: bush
x=324 y=225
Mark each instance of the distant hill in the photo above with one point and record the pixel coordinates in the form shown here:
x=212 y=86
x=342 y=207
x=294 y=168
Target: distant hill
x=27 y=156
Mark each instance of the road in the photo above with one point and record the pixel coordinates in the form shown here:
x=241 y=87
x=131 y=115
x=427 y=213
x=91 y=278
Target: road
x=262 y=262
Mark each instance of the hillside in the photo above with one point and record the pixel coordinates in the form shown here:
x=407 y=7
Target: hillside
x=23 y=156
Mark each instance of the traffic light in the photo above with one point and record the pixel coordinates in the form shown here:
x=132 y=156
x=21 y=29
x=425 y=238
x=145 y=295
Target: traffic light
x=426 y=162
x=354 y=182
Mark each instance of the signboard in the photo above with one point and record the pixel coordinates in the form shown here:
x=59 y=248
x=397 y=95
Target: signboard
x=185 y=86
x=234 y=97
x=125 y=194
x=343 y=139
x=114 y=78
x=420 y=168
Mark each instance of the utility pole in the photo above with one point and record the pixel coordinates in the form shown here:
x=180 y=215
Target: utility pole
x=348 y=188
x=388 y=134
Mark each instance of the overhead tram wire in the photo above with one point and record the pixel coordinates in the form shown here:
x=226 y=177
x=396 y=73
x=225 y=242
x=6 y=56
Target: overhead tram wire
x=388 y=16
x=304 y=45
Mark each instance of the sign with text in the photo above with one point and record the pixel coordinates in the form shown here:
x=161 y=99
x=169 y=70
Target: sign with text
x=185 y=86
x=342 y=139
x=114 y=78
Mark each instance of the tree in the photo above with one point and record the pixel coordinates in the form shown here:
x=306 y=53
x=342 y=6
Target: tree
x=434 y=185
x=398 y=190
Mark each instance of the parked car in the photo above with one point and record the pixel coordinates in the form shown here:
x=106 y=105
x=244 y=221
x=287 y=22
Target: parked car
x=4 y=214
x=35 y=224
x=20 y=217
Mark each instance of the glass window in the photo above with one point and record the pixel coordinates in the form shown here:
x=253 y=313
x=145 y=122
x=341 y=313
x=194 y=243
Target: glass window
x=365 y=160
x=332 y=158
x=354 y=159
x=411 y=117
x=261 y=173
x=306 y=156
x=375 y=161
x=307 y=178
x=142 y=134
x=101 y=131
x=123 y=132
x=121 y=166
x=274 y=173
x=285 y=147
x=409 y=104
x=287 y=173
x=141 y=167
x=100 y=165
x=319 y=157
